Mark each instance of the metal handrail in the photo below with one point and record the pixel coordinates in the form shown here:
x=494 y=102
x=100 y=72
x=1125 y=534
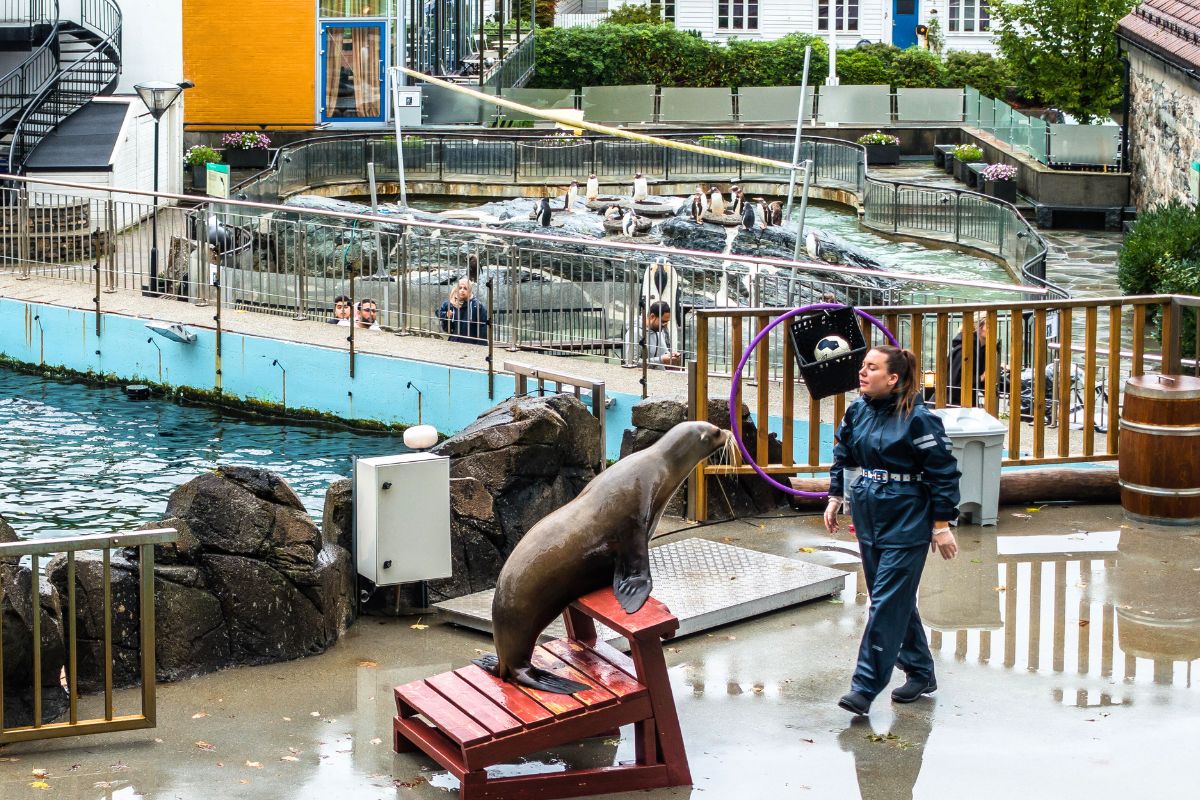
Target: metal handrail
x=17 y=86
x=103 y=18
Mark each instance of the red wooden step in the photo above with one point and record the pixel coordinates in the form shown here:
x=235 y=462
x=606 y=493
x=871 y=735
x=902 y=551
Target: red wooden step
x=444 y=714
x=474 y=704
x=507 y=695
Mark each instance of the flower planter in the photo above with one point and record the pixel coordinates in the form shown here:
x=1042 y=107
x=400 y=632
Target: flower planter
x=883 y=154
x=962 y=170
x=1001 y=190
x=200 y=177
x=948 y=164
x=256 y=158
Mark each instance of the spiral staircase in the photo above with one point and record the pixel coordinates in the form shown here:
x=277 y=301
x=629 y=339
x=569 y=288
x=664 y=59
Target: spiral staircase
x=69 y=62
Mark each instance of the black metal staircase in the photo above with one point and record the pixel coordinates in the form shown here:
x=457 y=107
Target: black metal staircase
x=72 y=62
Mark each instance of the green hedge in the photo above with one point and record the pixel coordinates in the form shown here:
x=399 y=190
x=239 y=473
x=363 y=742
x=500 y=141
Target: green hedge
x=981 y=70
x=618 y=55
x=1165 y=234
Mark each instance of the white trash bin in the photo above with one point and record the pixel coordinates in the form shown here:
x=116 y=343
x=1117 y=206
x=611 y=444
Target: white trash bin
x=977 y=439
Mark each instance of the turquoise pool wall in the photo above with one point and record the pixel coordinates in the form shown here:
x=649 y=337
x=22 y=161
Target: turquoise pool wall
x=317 y=377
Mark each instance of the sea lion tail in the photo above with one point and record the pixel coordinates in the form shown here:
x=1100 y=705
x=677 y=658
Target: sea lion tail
x=536 y=678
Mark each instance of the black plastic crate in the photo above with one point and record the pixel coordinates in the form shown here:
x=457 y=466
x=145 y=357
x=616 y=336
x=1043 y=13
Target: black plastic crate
x=833 y=375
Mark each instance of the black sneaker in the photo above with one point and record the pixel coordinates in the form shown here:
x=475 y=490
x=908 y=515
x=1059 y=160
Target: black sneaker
x=913 y=689
x=855 y=703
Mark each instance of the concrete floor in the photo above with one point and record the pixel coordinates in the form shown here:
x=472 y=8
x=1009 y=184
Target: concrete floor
x=1067 y=643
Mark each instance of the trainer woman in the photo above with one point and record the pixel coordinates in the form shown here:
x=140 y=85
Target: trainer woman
x=902 y=504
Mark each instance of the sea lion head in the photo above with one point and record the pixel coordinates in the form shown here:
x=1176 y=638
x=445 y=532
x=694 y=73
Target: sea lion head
x=692 y=442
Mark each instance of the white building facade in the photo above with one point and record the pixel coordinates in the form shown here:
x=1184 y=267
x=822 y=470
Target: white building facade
x=966 y=24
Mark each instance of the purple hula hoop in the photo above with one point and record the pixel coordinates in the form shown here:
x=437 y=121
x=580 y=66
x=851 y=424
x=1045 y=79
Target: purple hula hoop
x=734 y=422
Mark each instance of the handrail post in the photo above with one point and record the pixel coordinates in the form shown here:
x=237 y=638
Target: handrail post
x=957 y=216
x=301 y=270
x=23 y=237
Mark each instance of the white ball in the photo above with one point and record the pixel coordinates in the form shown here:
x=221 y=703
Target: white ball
x=830 y=347
x=420 y=437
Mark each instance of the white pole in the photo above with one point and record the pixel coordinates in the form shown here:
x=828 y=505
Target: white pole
x=799 y=130
x=832 y=79
x=396 y=82
x=803 y=211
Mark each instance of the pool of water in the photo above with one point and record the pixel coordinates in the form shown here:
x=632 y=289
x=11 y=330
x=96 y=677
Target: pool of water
x=80 y=459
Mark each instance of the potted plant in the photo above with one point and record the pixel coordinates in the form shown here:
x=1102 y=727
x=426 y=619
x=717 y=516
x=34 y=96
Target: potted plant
x=246 y=149
x=197 y=159
x=1000 y=181
x=882 y=148
x=965 y=154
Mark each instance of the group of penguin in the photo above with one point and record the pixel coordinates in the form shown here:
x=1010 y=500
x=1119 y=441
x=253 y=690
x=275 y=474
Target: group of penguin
x=754 y=215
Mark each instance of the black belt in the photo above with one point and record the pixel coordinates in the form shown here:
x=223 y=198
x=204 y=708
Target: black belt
x=883 y=476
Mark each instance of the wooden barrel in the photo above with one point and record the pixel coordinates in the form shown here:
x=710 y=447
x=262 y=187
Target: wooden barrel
x=1159 y=464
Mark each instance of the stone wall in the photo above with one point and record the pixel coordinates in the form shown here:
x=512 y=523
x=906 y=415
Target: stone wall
x=1164 y=135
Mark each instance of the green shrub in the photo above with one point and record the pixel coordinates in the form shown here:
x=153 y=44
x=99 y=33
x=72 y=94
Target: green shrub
x=1168 y=233
x=917 y=68
x=862 y=68
x=543 y=12
x=968 y=153
x=980 y=70
x=1182 y=276
x=636 y=15
x=201 y=154
x=617 y=55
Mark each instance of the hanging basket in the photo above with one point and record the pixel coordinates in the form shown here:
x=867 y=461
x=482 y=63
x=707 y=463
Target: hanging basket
x=839 y=373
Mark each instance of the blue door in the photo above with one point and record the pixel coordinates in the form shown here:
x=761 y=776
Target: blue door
x=904 y=23
x=352 y=71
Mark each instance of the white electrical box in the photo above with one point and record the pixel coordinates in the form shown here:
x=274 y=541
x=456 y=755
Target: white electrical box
x=402 y=518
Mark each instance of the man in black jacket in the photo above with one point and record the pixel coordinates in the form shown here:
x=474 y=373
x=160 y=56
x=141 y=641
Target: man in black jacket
x=978 y=368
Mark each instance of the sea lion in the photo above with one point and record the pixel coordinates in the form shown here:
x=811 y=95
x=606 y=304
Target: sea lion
x=600 y=538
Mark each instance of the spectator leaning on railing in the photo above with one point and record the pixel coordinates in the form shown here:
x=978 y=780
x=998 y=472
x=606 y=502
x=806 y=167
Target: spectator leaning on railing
x=462 y=316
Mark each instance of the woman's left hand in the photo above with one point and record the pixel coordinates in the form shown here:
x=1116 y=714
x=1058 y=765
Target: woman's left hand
x=944 y=543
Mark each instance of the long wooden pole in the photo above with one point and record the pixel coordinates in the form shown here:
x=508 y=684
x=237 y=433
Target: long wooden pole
x=595 y=127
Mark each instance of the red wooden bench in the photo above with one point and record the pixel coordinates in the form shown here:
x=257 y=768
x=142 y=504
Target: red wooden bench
x=469 y=719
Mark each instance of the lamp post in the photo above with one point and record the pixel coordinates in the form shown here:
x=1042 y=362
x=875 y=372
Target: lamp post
x=158 y=97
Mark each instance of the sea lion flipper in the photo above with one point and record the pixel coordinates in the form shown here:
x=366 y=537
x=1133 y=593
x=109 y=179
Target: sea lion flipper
x=633 y=590
x=536 y=678
x=489 y=662
x=631 y=574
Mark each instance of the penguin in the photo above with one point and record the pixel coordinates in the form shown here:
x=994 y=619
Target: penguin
x=544 y=212
x=763 y=214
x=703 y=196
x=569 y=200
x=593 y=188
x=736 y=200
x=612 y=212
x=697 y=210
x=716 y=202
x=748 y=217
x=776 y=213
x=629 y=223
x=640 y=188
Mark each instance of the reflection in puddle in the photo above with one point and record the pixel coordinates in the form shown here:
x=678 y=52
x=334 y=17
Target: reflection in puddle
x=1117 y=605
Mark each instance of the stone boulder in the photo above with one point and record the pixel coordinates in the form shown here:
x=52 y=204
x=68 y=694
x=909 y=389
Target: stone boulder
x=339 y=510
x=17 y=610
x=520 y=460
x=728 y=497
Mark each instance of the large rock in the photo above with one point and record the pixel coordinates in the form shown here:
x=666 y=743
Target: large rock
x=515 y=464
x=728 y=496
x=339 y=510
x=17 y=609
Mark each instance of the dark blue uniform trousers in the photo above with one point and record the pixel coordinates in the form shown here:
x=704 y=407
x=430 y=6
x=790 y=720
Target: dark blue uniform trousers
x=894 y=634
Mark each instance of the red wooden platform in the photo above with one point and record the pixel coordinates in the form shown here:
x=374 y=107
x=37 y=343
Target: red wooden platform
x=467 y=719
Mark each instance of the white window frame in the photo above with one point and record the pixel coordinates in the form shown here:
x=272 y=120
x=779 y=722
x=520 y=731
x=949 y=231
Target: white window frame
x=847 y=12
x=968 y=16
x=747 y=16
x=666 y=7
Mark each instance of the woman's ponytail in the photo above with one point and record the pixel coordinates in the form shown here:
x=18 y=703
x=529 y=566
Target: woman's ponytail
x=903 y=364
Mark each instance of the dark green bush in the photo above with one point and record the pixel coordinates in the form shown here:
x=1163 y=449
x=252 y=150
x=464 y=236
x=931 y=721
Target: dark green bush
x=616 y=55
x=1182 y=276
x=543 y=12
x=635 y=15
x=917 y=68
x=1161 y=235
x=862 y=68
x=981 y=70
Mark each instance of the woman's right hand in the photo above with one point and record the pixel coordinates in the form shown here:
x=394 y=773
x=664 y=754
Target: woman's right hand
x=831 y=514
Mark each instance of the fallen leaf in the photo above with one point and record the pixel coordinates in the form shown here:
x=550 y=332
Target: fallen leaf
x=377 y=740
x=203 y=745
x=367 y=664
x=102 y=785
x=999 y=588
x=293 y=751
x=417 y=626
x=758 y=690
x=38 y=772
x=199 y=715
x=731 y=638
x=288 y=758
x=39 y=785
x=8 y=760
x=808 y=549
x=1022 y=516
x=287 y=719
x=837 y=601
x=243 y=781
x=810 y=741
x=74 y=767
x=1033 y=510
x=314 y=713
x=1084 y=622
x=254 y=764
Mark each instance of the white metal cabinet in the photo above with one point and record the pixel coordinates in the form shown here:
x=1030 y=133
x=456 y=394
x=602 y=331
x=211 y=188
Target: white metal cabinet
x=402 y=518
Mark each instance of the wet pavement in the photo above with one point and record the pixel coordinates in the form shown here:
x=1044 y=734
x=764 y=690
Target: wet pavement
x=1067 y=643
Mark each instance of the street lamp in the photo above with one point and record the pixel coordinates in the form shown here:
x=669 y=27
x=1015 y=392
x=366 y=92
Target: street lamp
x=158 y=97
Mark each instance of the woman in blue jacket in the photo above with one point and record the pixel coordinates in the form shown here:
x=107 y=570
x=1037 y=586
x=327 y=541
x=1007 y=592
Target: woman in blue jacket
x=462 y=316
x=902 y=504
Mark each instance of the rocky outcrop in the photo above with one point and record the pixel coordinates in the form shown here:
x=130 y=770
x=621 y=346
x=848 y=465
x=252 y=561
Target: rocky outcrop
x=17 y=610
x=727 y=496
x=515 y=464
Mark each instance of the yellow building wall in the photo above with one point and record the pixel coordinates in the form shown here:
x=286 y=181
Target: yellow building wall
x=253 y=61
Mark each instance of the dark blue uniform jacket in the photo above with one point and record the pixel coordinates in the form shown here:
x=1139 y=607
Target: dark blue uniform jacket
x=873 y=435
